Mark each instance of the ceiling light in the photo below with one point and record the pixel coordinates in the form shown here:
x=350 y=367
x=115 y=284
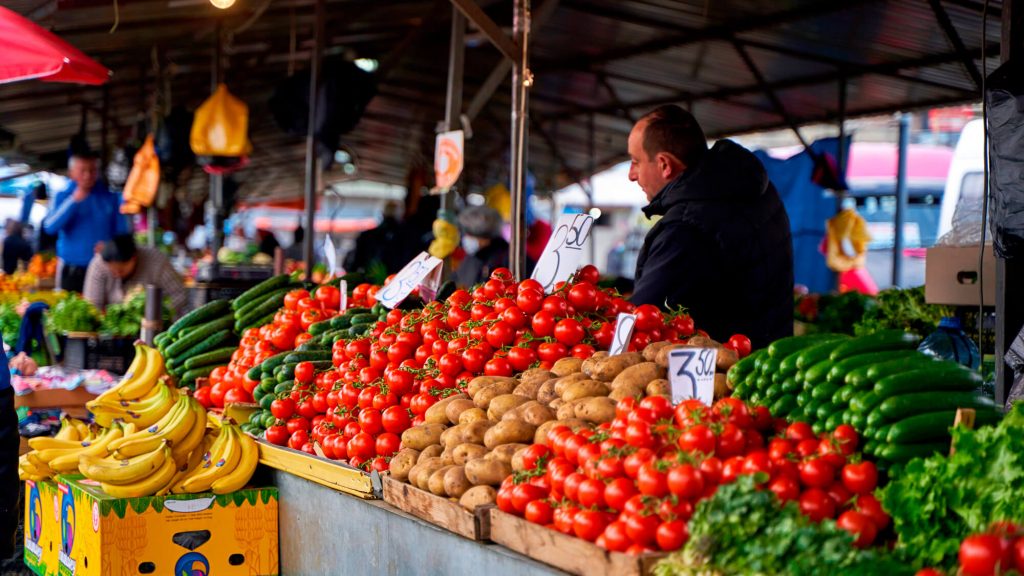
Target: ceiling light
x=367 y=64
x=223 y=4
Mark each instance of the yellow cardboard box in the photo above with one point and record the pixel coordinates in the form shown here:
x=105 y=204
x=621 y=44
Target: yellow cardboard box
x=179 y=534
x=42 y=527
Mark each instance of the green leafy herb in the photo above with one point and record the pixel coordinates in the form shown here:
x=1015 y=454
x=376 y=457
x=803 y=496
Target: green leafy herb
x=743 y=530
x=125 y=319
x=73 y=314
x=936 y=502
x=10 y=323
x=902 y=310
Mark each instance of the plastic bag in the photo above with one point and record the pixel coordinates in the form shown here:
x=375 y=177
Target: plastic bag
x=144 y=179
x=221 y=126
x=846 y=241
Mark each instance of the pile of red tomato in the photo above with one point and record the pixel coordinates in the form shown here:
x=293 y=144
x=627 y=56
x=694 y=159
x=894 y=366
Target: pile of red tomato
x=999 y=550
x=384 y=383
x=229 y=384
x=631 y=485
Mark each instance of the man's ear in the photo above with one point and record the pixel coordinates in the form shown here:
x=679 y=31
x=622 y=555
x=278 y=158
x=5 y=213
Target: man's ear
x=668 y=165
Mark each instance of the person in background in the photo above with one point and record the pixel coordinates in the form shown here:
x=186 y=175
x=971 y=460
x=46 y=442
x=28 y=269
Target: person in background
x=16 y=247
x=35 y=193
x=268 y=243
x=9 y=444
x=483 y=244
x=121 y=266
x=83 y=216
x=382 y=244
x=722 y=248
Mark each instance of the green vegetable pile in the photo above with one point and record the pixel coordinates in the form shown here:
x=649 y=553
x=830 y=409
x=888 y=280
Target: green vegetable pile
x=125 y=319
x=901 y=310
x=742 y=530
x=937 y=502
x=73 y=314
x=10 y=323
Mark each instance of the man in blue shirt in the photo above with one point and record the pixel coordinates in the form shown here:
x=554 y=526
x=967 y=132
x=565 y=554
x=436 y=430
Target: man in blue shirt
x=83 y=216
x=9 y=443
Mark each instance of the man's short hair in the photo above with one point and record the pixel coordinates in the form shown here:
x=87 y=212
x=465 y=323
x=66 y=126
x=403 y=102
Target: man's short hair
x=119 y=249
x=84 y=155
x=671 y=129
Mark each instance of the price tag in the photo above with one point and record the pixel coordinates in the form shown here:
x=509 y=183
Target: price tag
x=691 y=372
x=623 y=333
x=448 y=158
x=343 y=287
x=564 y=250
x=331 y=255
x=407 y=279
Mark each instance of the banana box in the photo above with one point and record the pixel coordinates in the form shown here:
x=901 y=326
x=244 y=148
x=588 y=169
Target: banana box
x=179 y=534
x=42 y=527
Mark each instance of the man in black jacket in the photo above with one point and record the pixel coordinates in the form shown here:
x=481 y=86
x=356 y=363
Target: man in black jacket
x=722 y=248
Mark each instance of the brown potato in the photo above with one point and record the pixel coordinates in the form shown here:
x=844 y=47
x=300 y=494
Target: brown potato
x=420 y=474
x=450 y=437
x=588 y=365
x=419 y=437
x=483 y=397
x=508 y=432
x=455 y=409
x=455 y=482
x=659 y=387
x=626 y=392
x=487 y=471
x=532 y=412
x=529 y=389
x=541 y=436
x=436 y=481
x=536 y=376
x=429 y=452
x=402 y=463
x=465 y=452
x=473 y=433
x=639 y=375
x=585 y=389
x=505 y=452
x=721 y=387
x=607 y=369
x=546 y=393
x=726 y=359
x=477 y=496
x=662 y=358
x=504 y=403
x=652 y=349
x=447 y=457
x=702 y=342
x=567 y=365
x=597 y=410
x=565 y=381
x=472 y=415
x=566 y=410
x=436 y=413
x=480 y=382
x=556 y=404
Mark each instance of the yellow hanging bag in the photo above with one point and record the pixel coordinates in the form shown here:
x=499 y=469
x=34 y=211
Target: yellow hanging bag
x=846 y=237
x=143 y=181
x=221 y=126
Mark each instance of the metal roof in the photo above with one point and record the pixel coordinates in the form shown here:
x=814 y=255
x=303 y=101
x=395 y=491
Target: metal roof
x=598 y=64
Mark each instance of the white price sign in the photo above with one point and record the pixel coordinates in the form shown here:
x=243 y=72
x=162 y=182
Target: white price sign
x=564 y=250
x=623 y=333
x=691 y=372
x=408 y=279
x=343 y=287
x=331 y=255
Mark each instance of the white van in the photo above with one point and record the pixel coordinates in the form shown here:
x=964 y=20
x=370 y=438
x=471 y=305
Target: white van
x=966 y=182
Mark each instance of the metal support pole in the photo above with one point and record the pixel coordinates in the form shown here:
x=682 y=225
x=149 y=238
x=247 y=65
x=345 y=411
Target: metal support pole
x=312 y=166
x=104 y=127
x=591 y=169
x=901 y=200
x=453 y=102
x=841 y=156
x=153 y=320
x=521 y=80
x=216 y=180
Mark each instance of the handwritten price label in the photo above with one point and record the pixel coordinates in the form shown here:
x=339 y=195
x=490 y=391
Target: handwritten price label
x=343 y=288
x=564 y=250
x=623 y=333
x=692 y=374
x=407 y=280
x=331 y=255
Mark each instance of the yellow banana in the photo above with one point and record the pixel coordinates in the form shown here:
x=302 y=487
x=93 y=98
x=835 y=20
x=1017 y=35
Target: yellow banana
x=208 y=461
x=128 y=428
x=195 y=458
x=122 y=471
x=24 y=463
x=33 y=457
x=130 y=376
x=83 y=429
x=194 y=438
x=218 y=468
x=47 y=442
x=174 y=412
x=51 y=454
x=68 y=462
x=142 y=413
x=23 y=475
x=138 y=386
x=148 y=485
x=174 y=432
x=67 y=430
x=240 y=476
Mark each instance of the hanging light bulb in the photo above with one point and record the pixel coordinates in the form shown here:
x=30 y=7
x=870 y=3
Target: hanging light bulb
x=223 y=4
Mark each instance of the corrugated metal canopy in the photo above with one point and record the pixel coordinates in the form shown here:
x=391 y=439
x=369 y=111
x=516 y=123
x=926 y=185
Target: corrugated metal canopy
x=598 y=64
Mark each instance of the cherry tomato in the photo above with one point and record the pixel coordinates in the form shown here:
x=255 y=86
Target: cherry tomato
x=642 y=529
x=395 y=419
x=816 y=473
x=868 y=505
x=740 y=344
x=328 y=296
x=277 y=435
x=387 y=444
x=648 y=317
x=539 y=512
x=861 y=478
x=291 y=299
x=282 y=408
x=362 y=446
x=583 y=296
x=817 y=505
x=685 y=481
x=569 y=332
x=860 y=526
x=698 y=439
x=498 y=367
x=671 y=535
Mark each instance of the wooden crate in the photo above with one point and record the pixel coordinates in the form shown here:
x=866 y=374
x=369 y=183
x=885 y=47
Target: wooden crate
x=334 y=475
x=439 y=511
x=568 y=553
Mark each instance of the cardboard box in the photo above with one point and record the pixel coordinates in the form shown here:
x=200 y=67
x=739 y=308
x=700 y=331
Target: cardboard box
x=95 y=534
x=952 y=275
x=42 y=527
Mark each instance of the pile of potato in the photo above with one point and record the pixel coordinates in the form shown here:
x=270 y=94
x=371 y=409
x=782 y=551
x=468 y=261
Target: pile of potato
x=470 y=442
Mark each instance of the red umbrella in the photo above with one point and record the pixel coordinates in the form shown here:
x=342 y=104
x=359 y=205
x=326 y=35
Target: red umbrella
x=28 y=51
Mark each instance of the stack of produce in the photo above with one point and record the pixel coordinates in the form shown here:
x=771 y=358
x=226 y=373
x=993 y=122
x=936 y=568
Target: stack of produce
x=902 y=401
x=35 y=465
x=198 y=342
x=124 y=319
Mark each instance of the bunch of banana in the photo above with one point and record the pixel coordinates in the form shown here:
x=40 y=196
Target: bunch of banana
x=54 y=455
x=72 y=429
x=226 y=467
x=142 y=376
x=144 y=412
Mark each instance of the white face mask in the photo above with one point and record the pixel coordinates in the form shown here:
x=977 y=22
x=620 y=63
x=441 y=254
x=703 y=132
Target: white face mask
x=470 y=244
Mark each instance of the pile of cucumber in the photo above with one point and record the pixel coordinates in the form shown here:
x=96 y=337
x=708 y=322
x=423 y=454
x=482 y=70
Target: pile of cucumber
x=198 y=342
x=901 y=401
x=257 y=306
x=354 y=323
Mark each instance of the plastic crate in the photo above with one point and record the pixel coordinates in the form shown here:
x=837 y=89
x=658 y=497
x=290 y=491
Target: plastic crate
x=90 y=351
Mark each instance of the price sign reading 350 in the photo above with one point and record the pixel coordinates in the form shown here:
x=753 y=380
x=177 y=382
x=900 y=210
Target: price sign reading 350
x=564 y=250
x=692 y=374
x=407 y=280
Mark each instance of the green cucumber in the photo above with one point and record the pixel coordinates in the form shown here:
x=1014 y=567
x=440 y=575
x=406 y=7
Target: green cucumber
x=933 y=426
x=906 y=452
x=818 y=352
x=191 y=376
x=804 y=397
x=763 y=382
x=912 y=360
x=876 y=419
x=256 y=323
x=254 y=373
x=783 y=406
x=215 y=340
x=811 y=409
x=363 y=319
x=824 y=391
x=788 y=364
x=265 y=287
x=310 y=355
x=260 y=307
x=221 y=355
x=882 y=432
x=161 y=339
x=773 y=393
x=877 y=342
x=269 y=419
x=899 y=407
x=834 y=420
x=826 y=410
x=858 y=421
x=205 y=313
x=864 y=402
x=285 y=386
x=870 y=447
x=287 y=373
x=744 y=367
x=343 y=321
x=318 y=328
x=790 y=385
x=267 y=400
x=845 y=393
x=270 y=364
x=196 y=336
x=818 y=373
x=841 y=371
x=942 y=377
x=786 y=346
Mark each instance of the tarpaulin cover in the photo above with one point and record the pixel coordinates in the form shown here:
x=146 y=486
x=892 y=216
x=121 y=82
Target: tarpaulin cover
x=1005 y=95
x=31 y=52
